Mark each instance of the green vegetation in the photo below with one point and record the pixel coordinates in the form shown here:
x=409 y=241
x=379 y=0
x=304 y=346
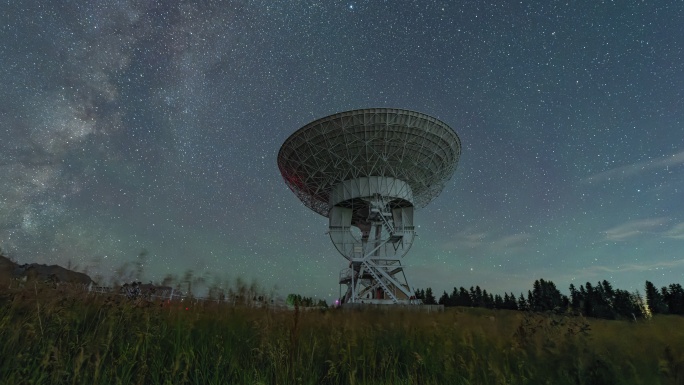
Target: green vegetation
x=53 y=335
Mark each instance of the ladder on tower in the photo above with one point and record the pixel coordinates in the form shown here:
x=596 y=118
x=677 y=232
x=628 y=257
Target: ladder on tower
x=371 y=270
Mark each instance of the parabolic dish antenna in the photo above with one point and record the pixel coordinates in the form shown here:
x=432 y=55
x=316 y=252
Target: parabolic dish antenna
x=367 y=170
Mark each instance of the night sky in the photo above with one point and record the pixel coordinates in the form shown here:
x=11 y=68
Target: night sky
x=155 y=125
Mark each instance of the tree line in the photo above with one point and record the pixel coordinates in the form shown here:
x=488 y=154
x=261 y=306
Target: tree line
x=298 y=300
x=598 y=300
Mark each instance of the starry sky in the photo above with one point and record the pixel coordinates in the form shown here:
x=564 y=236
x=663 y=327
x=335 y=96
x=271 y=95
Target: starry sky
x=141 y=125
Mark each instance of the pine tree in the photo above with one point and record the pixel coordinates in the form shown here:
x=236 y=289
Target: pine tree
x=552 y=299
x=535 y=296
x=498 y=302
x=487 y=300
x=473 y=297
x=655 y=299
x=642 y=308
x=511 y=303
x=625 y=305
x=464 y=298
x=602 y=300
x=575 y=299
x=454 y=298
x=673 y=297
x=588 y=310
x=546 y=297
x=608 y=291
x=429 y=297
x=444 y=299
x=530 y=301
x=478 y=300
x=522 y=303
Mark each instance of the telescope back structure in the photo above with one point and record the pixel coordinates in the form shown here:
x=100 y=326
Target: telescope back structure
x=367 y=170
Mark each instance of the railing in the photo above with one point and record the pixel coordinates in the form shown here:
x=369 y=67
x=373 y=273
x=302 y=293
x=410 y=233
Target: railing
x=345 y=274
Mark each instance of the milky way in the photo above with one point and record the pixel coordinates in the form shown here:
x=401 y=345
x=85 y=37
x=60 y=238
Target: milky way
x=131 y=127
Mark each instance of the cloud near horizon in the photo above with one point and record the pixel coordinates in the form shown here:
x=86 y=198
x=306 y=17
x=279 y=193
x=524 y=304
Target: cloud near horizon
x=487 y=241
x=676 y=232
x=637 y=168
x=594 y=270
x=633 y=229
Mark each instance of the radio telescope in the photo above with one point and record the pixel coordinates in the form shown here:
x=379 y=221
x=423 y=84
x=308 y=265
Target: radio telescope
x=367 y=170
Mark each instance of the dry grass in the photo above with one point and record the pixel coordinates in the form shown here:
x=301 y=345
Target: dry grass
x=60 y=336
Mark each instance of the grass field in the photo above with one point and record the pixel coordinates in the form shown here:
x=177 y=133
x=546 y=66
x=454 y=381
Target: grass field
x=58 y=336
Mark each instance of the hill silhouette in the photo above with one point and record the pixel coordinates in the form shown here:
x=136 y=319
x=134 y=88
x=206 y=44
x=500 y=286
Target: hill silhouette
x=35 y=271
